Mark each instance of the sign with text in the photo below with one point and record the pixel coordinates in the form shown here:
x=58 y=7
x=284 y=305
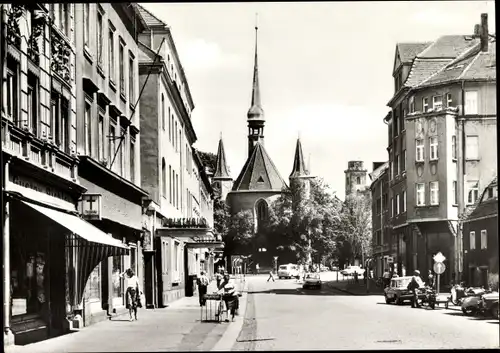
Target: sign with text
x=36 y=185
x=185 y=223
x=90 y=206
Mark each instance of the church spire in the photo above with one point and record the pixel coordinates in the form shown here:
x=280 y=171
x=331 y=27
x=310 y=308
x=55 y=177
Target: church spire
x=299 y=167
x=256 y=112
x=221 y=171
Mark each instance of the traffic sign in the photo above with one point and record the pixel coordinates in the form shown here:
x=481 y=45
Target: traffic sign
x=439 y=257
x=439 y=267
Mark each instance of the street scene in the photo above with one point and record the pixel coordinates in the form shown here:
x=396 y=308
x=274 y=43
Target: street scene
x=249 y=176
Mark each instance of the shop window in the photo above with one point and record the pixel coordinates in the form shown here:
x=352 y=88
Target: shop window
x=117 y=289
x=94 y=284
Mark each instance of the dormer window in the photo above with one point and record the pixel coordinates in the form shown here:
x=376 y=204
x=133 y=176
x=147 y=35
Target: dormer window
x=437 y=103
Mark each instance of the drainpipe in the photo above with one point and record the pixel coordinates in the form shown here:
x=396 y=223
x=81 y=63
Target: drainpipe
x=154 y=286
x=460 y=185
x=7 y=333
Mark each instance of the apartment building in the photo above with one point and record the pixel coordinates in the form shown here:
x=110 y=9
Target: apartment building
x=442 y=125
x=46 y=260
x=171 y=173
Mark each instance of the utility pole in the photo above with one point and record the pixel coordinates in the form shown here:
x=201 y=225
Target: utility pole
x=460 y=185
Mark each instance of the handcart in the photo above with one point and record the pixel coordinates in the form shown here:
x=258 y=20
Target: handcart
x=213 y=308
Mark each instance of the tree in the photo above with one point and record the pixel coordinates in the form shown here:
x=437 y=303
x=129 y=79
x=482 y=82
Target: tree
x=356 y=227
x=208 y=159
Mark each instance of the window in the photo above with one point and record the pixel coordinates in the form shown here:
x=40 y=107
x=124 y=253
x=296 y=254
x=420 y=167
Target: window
x=175 y=137
x=170 y=184
x=425 y=104
x=261 y=213
x=397 y=204
x=111 y=54
x=472 y=239
x=420 y=194
x=472 y=192
x=396 y=165
x=403 y=161
x=33 y=103
x=433 y=143
x=12 y=90
x=163 y=112
x=392 y=206
x=484 y=239
x=437 y=102
x=163 y=178
x=411 y=104
x=100 y=31
x=177 y=190
x=449 y=101
x=94 y=283
x=60 y=121
x=169 y=125
x=471 y=102
x=86 y=24
x=404 y=201
x=454 y=192
x=63 y=20
x=419 y=150
x=454 y=147
x=88 y=129
x=122 y=69
x=100 y=135
x=64 y=126
x=112 y=144
x=378 y=206
x=434 y=187
x=358 y=180
x=472 y=147
x=121 y=146
x=132 y=160
x=131 y=81
x=391 y=170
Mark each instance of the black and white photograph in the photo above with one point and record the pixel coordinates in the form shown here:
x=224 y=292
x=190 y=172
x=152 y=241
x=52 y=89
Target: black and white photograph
x=249 y=176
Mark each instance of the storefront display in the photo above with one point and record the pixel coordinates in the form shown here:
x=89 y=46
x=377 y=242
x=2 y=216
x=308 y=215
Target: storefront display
x=117 y=281
x=94 y=284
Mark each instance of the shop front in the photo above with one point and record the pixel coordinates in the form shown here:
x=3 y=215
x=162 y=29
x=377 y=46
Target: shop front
x=48 y=252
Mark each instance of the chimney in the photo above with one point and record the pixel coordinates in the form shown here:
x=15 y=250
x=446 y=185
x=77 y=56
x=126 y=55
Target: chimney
x=477 y=30
x=484 y=32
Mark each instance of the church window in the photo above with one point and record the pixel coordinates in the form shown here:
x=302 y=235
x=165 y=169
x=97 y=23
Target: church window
x=358 y=180
x=262 y=212
x=260 y=180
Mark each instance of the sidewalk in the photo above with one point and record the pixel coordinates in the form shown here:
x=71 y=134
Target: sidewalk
x=352 y=288
x=174 y=328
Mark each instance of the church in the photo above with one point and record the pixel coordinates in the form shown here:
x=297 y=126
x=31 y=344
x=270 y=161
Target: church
x=259 y=181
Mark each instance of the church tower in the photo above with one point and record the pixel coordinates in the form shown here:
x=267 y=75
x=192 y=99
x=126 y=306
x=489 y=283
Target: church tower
x=355 y=177
x=222 y=179
x=300 y=180
x=255 y=115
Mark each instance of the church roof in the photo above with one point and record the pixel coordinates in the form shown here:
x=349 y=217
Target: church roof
x=221 y=171
x=299 y=167
x=259 y=173
x=256 y=112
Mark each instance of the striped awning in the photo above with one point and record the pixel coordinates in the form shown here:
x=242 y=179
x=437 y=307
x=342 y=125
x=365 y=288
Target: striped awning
x=89 y=246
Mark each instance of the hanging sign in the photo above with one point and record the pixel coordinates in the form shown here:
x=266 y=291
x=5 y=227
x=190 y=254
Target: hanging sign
x=90 y=206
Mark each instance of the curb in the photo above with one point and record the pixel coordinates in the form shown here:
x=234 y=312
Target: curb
x=232 y=332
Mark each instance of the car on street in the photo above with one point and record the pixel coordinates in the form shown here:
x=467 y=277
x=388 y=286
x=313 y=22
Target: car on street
x=324 y=268
x=312 y=280
x=288 y=271
x=397 y=291
x=335 y=268
x=350 y=270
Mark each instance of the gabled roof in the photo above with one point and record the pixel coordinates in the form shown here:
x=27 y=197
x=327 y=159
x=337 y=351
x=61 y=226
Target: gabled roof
x=299 y=167
x=422 y=69
x=221 y=171
x=408 y=51
x=149 y=19
x=259 y=173
x=482 y=208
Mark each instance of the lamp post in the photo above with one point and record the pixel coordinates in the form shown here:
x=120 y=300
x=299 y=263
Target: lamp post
x=276 y=263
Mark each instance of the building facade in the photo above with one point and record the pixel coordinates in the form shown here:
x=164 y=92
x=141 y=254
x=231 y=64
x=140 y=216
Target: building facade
x=443 y=96
x=179 y=198
x=355 y=178
x=47 y=260
x=108 y=144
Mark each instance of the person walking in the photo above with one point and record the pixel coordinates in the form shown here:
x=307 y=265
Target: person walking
x=203 y=283
x=270 y=276
x=132 y=292
x=257 y=268
x=387 y=278
x=430 y=279
x=413 y=287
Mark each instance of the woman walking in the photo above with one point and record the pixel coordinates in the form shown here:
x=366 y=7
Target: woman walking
x=132 y=292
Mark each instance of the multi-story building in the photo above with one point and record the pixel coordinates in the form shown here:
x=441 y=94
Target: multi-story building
x=382 y=246
x=47 y=247
x=107 y=127
x=355 y=178
x=480 y=231
x=174 y=177
x=444 y=95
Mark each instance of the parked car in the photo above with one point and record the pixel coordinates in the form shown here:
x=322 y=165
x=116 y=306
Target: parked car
x=481 y=304
x=397 y=291
x=288 y=271
x=349 y=271
x=324 y=268
x=312 y=280
x=335 y=268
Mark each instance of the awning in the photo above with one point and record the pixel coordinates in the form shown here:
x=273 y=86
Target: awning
x=87 y=246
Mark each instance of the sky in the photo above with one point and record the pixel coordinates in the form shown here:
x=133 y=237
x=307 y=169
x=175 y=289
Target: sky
x=325 y=71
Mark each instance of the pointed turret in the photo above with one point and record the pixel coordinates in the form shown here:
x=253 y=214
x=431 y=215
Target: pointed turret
x=222 y=180
x=255 y=115
x=299 y=167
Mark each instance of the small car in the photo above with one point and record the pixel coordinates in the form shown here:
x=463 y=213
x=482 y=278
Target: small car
x=288 y=271
x=489 y=304
x=324 y=268
x=397 y=291
x=349 y=271
x=312 y=280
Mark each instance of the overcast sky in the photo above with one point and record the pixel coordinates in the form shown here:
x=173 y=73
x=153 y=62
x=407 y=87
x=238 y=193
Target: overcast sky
x=325 y=70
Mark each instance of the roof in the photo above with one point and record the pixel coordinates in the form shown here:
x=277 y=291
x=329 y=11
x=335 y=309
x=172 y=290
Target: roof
x=259 y=173
x=150 y=19
x=408 y=51
x=422 y=69
x=449 y=46
x=255 y=112
x=299 y=167
x=221 y=171
x=482 y=208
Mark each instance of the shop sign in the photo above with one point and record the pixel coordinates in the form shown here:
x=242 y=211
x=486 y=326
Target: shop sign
x=90 y=206
x=185 y=223
x=29 y=183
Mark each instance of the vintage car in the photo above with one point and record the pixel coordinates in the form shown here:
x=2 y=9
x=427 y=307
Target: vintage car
x=349 y=271
x=288 y=271
x=397 y=291
x=312 y=280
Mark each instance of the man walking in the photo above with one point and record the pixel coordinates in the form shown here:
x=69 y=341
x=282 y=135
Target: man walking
x=413 y=287
x=202 y=287
x=257 y=268
x=430 y=279
x=270 y=275
x=387 y=278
